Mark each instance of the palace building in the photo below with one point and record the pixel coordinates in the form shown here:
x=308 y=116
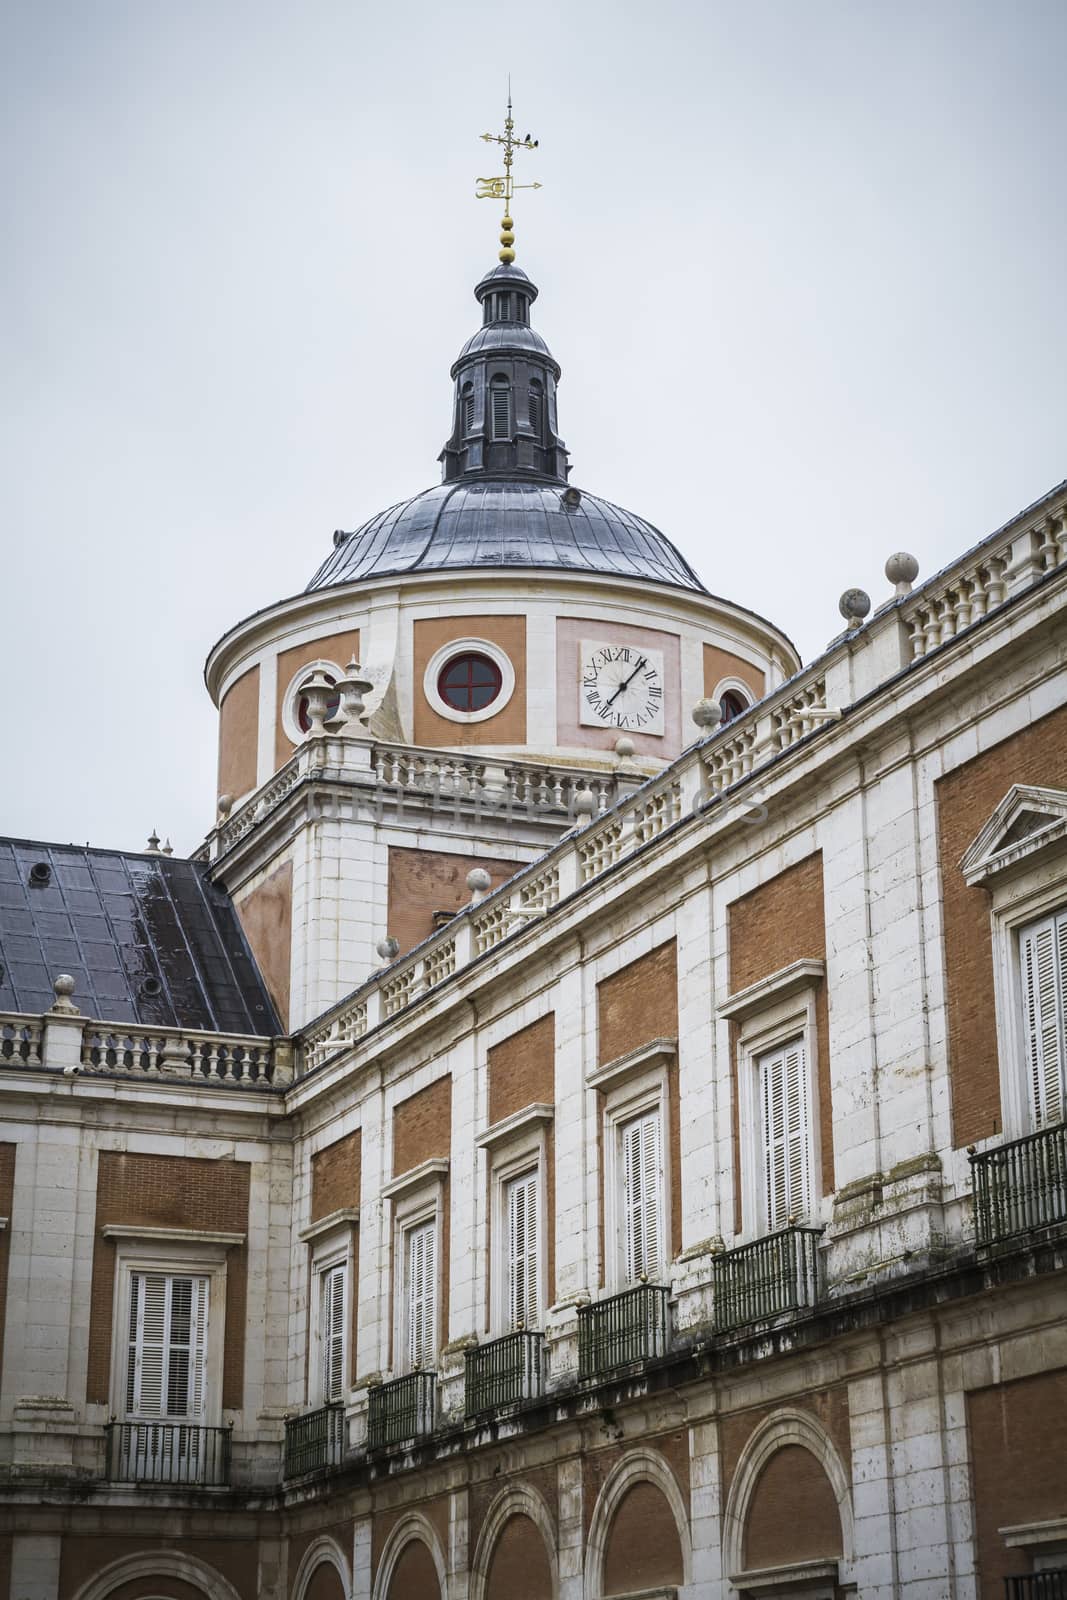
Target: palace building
x=589 y=1121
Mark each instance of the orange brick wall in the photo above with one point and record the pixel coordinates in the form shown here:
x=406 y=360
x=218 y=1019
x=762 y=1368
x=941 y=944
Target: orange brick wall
x=1016 y=1433
x=383 y=1523
x=422 y=1131
x=235 y=1557
x=519 y=1564
x=168 y=1192
x=598 y=1464
x=643 y=1547
x=7 y=1190
x=239 y=736
x=828 y=1406
x=507 y=726
x=780 y=922
x=325 y=1584
x=337 y=647
x=424 y=881
x=335 y=1174
x=720 y=664
x=793 y=1516
x=634 y=1005
x=965 y=798
x=267 y=919
x=485 y=1489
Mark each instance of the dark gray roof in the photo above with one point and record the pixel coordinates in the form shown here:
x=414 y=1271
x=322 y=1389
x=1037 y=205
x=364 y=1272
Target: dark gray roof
x=497 y=336
x=147 y=939
x=505 y=522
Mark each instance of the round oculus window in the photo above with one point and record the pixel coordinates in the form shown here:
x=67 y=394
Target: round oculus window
x=304 y=720
x=469 y=682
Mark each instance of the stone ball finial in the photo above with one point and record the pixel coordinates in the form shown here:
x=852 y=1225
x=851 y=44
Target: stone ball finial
x=625 y=748
x=63 y=988
x=706 y=714
x=902 y=570
x=854 y=605
x=388 y=948
x=584 y=802
x=479 y=881
x=225 y=804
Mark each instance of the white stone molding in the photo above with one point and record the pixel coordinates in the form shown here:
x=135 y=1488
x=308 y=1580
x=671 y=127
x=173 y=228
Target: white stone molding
x=520 y=1122
x=462 y=647
x=1027 y=822
x=784 y=1427
x=322 y=1551
x=291 y=727
x=777 y=986
x=412 y=1526
x=518 y=1500
x=154 y=1235
x=637 y=1466
x=346 y=1216
x=804 y=1580
x=657 y=1052
x=427 y=1172
x=1023 y=1535
x=158 y=1564
x=738 y=686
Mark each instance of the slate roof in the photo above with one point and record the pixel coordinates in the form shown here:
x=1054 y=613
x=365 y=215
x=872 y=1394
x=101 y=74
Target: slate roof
x=147 y=938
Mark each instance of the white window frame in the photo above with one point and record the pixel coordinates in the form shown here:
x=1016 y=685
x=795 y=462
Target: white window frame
x=515 y=1146
x=294 y=692
x=183 y=1256
x=323 y=1263
x=465 y=647
x=1026 y=881
x=418 y=1198
x=771 y=1013
x=630 y=1087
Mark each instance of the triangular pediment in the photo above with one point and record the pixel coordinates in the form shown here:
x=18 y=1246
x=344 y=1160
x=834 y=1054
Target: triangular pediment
x=1027 y=821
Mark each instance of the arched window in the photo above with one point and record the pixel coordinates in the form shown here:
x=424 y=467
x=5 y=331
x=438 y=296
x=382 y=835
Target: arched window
x=468 y=408
x=537 y=408
x=731 y=705
x=500 y=391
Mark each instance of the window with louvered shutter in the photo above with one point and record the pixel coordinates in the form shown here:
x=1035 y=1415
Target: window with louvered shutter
x=786 y=1133
x=167 y=1347
x=524 y=1308
x=1043 y=974
x=332 y=1332
x=501 y=398
x=642 y=1182
x=537 y=409
x=421 y=1253
x=468 y=413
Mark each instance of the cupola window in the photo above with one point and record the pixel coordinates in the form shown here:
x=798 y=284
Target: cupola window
x=537 y=408
x=470 y=682
x=501 y=398
x=468 y=408
x=503 y=307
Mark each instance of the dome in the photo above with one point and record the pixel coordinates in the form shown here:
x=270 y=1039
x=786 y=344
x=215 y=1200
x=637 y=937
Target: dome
x=504 y=522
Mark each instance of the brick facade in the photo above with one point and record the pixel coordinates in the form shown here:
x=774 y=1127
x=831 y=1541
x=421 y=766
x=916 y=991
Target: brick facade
x=966 y=797
x=522 y=1072
x=643 y=1548
x=1016 y=1432
x=239 y=736
x=8 y=1154
x=337 y=647
x=168 y=1192
x=519 y=1565
x=506 y=726
x=422 y=1131
x=424 y=881
x=335 y=1176
x=267 y=919
x=793 y=1514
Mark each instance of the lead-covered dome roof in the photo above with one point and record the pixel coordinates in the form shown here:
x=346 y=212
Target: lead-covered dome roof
x=505 y=523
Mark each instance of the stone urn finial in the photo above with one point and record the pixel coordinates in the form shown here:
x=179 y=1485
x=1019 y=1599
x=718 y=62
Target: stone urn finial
x=317 y=691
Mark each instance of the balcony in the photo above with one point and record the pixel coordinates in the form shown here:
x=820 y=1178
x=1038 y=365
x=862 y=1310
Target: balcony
x=1038 y=1586
x=504 y=1371
x=401 y=1410
x=768 y=1278
x=632 y=1326
x=168 y=1452
x=314 y=1442
x=1020 y=1186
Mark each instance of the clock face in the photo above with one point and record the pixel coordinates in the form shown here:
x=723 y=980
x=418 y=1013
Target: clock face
x=621 y=687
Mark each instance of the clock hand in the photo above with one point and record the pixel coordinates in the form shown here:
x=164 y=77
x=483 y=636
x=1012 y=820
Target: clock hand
x=626 y=685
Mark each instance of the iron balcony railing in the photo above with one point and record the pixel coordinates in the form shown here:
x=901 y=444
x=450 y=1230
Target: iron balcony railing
x=1021 y=1185
x=402 y=1409
x=1038 y=1586
x=767 y=1278
x=632 y=1326
x=314 y=1442
x=168 y=1452
x=503 y=1371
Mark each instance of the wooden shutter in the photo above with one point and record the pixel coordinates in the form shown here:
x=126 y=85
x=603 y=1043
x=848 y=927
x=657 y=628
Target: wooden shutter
x=501 y=412
x=1043 y=963
x=422 y=1294
x=468 y=414
x=167 y=1351
x=642 y=1152
x=786 y=1133
x=536 y=410
x=332 y=1325
x=524 y=1307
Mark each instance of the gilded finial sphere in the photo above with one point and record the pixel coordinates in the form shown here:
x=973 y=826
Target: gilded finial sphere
x=507 y=257
x=507 y=237
x=506 y=222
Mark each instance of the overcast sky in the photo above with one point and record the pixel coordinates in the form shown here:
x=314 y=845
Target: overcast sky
x=802 y=262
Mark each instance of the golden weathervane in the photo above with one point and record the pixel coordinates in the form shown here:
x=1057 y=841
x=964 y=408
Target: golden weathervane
x=503 y=188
